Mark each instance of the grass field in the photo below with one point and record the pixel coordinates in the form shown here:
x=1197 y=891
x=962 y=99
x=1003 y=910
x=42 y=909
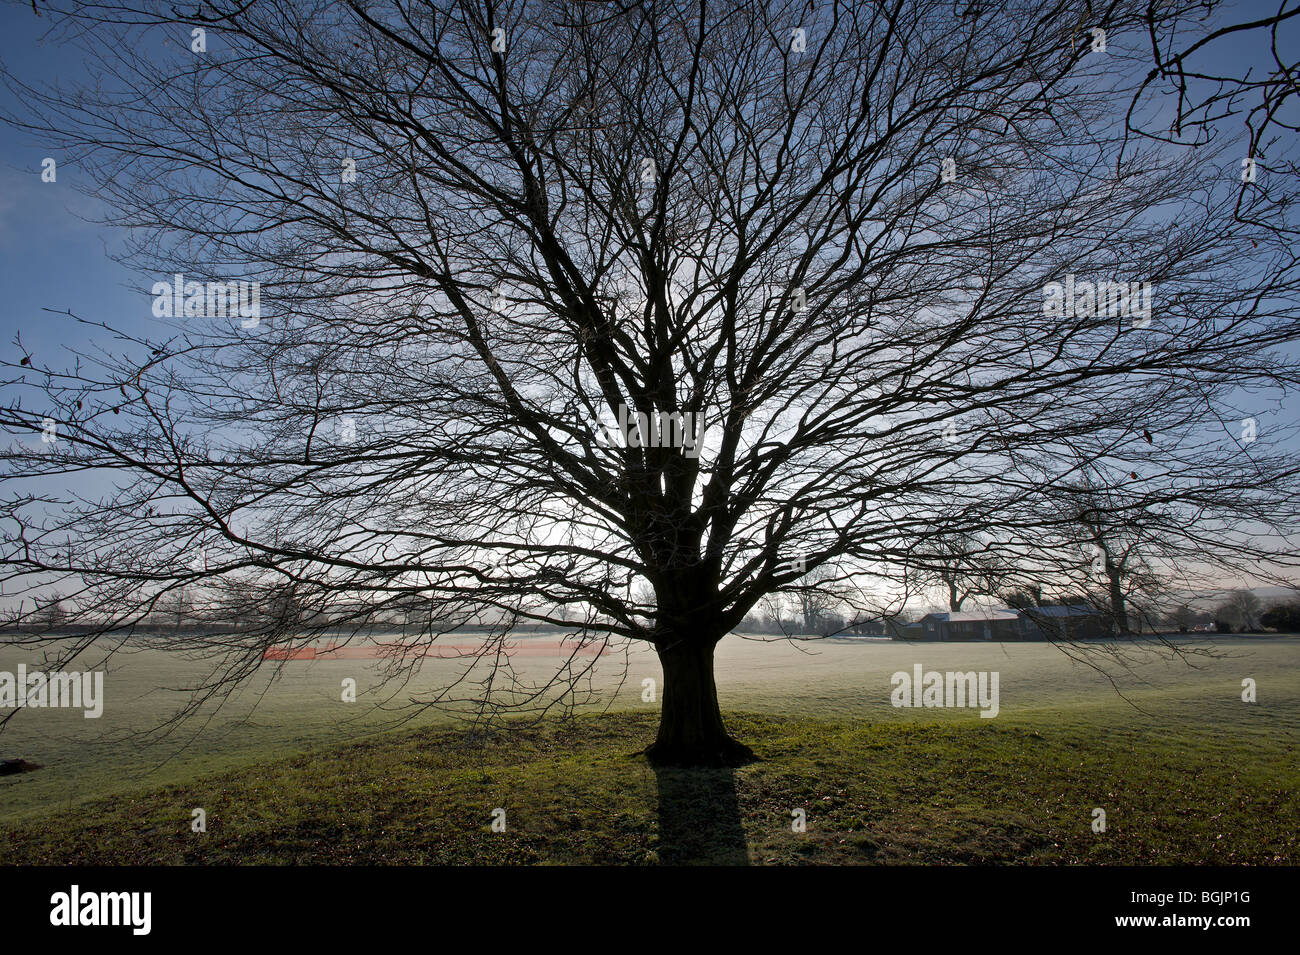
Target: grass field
x=1185 y=771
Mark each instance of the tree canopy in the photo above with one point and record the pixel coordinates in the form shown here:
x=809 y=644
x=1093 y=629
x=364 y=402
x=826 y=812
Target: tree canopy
x=870 y=277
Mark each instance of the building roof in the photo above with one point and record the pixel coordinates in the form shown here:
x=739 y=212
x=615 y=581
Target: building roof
x=973 y=616
x=1069 y=610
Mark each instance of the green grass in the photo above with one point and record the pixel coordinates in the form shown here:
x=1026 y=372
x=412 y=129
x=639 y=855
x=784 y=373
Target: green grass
x=918 y=791
x=289 y=773
x=296 y=709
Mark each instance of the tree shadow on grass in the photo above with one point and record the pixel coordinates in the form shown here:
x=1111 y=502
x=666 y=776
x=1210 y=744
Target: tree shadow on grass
x=699 y=817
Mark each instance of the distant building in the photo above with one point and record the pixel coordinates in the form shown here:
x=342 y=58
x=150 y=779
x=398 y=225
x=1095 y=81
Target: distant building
x=1070 y=622
x=1000 y=625
x=900 y=630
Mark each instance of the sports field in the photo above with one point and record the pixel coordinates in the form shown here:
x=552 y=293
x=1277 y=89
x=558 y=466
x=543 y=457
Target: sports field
x=1116 y=696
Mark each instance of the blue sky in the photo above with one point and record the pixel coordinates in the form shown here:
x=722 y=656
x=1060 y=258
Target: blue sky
x=52 y=257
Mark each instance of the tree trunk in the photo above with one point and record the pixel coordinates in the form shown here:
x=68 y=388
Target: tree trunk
x=691 y=732
x=954 y=601
x=1117 y=608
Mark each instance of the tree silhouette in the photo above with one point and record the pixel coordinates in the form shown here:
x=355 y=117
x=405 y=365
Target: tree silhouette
x=565 y=303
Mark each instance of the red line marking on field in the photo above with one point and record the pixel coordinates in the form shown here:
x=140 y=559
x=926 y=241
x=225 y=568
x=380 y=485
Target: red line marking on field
x=382 y=651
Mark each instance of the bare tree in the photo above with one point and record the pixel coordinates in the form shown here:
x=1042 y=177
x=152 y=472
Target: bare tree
x=1114 y=539
x=1182 y=618
x=1211 y=90
x=1126 y=544
x=815 y=600
x=962 y=565
x=560 y=298
x=176 y=610
x=51 y=613
x=774 y=613
x=1241 y=610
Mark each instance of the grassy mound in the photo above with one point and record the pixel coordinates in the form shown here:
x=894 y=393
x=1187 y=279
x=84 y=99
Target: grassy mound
x=943 y=792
